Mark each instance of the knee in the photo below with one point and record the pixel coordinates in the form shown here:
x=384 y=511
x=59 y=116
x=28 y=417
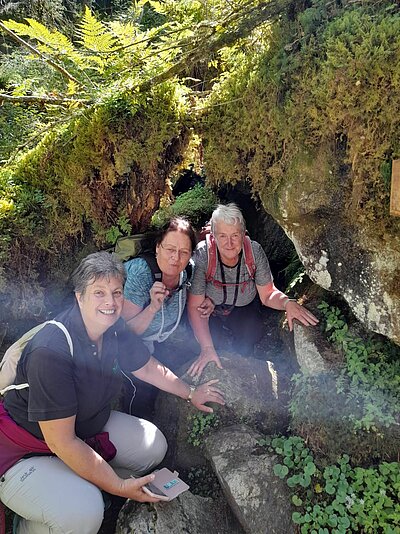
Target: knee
x=85 y=518
x=156 y=448
x=160 y=446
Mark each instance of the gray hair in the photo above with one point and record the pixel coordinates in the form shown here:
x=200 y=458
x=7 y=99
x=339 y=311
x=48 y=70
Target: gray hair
x=229 y=214
x=95 y=266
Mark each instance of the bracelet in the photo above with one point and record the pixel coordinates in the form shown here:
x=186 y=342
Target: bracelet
x=286 y=302
x=191 y=392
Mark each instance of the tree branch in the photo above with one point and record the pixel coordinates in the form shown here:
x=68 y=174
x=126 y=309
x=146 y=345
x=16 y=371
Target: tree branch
x=50 y=62
x=32 y=99
x=213 y=40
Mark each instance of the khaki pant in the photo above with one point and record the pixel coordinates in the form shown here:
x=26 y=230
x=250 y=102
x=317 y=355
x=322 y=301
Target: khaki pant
x=52 y=499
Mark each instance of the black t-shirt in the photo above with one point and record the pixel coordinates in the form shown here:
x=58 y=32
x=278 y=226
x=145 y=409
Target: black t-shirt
x=61 y=385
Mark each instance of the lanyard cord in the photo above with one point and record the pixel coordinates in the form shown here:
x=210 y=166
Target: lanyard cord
x=161 y=336
x=224 y=284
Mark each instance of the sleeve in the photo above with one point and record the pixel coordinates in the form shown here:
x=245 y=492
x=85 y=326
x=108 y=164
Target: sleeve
x=52 y=392
x=263 y=270
x=198 y=284
x=139 y=281
x=132 y=353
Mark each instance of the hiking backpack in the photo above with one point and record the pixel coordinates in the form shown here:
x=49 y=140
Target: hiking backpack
x=8 y=365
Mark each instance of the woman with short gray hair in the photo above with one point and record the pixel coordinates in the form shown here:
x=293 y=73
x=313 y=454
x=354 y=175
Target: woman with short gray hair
x=94 y=266
x=239 y=282
x=61 y=444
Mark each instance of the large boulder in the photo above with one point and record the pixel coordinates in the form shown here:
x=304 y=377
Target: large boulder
x=187 y=513
x=259 y=499
x=325 y=418
x=253 y=394
x=340 y=250
x=313 y=352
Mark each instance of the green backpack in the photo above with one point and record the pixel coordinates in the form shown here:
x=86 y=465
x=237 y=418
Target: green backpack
x=133 y=246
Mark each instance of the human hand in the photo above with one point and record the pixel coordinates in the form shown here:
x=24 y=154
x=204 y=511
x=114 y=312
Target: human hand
x=158 y=293
x=132 y=488
x=207 y=355
x=294 y=310
x=207 y=392
x=206 y=308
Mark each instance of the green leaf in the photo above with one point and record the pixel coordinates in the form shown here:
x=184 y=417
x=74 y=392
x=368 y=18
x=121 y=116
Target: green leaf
x=293 y=481
x=296 y=500
x=297 y=518
x=332 y=521
x=288 y=461
x=330 y=489
x=344 y=522
x=281 y=470
x=310 y=468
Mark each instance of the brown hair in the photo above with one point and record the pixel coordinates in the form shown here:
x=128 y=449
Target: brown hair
x=178 y=224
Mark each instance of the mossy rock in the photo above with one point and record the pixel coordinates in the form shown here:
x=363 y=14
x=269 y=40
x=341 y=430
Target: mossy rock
x=325 y=418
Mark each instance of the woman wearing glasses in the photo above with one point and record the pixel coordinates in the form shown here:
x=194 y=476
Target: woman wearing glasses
x=153 y=309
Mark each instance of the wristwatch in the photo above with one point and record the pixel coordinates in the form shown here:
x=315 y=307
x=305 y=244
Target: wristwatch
x=191 y=392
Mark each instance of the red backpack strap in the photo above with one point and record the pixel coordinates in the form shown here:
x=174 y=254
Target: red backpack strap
x=211 y=257
x=249 y=257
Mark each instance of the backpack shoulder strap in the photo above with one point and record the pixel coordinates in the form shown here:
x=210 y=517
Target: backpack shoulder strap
x=189 y=271
x=150 y=259
x=249 y=257
x=66 y=333
x=18 y=347
x=211 y=257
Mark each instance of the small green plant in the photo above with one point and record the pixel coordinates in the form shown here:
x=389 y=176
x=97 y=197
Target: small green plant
x=203 y=482
x=200 y=425
x=196 y=204
x=122 y=228
x=371 y=373
x=337 y=498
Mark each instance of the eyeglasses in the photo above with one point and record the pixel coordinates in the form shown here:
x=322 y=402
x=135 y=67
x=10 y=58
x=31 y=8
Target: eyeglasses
x=171 y=251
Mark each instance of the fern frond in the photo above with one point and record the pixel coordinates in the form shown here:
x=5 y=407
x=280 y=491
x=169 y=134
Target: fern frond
x=160 y=7
x=125 y=33
x=51 y=42
x=72 y=88
x=94 y=35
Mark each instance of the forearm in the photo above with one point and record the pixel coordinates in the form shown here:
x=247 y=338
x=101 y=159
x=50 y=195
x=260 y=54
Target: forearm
x=278 y=300
x=158 y=375
x=140 y=322
x=86 y=463
x=272 y=297
x=200 y=327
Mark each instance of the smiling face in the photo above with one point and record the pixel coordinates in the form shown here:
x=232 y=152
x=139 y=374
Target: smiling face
x=229 y=238
x=101 y=304
x=173 y=253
